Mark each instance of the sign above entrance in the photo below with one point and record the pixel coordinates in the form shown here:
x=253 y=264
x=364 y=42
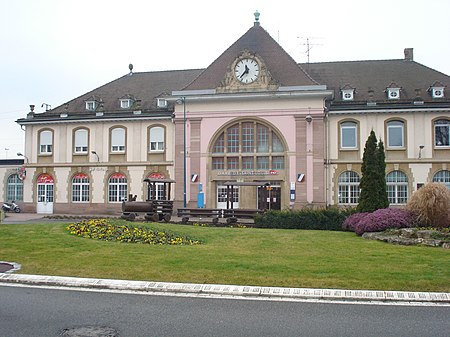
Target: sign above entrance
x=248 y=173
x=45 y=179
x=156 y=175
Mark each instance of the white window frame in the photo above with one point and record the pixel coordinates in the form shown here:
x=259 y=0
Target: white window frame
x=393 y=93
x=397 y=187
x=348 y=94
x=118 y=140
x=348 y=188
x=91 y=105
x=437 y=92
x=80 y=189
x=14 y=188
x=442 y=123
x=348 y=125
x=125 y=103
x=46 y=142
x=390 y=127
x=442 y=177
x=81 y=141
x=117 y=189
x=156 y=135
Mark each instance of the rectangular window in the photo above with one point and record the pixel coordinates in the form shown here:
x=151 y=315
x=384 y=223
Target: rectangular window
x=125 y=103
x=81 y=141
x=247 y=163
x=348 y=135
x=232 y=163
x=247 y=138
x=46 y=142
x=263 y=139
x=262 y=163
x=118 y=140
x=395 y=134
x=218 y=163
x=233 y=139
x=278 y=162
x=91 y=105
x=442 y=133
x=157 y=139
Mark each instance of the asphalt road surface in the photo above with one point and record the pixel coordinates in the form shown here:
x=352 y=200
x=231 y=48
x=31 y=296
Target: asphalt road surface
x=36 y=312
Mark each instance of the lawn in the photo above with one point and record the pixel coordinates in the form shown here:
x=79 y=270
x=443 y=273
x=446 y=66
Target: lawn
x=243 y=256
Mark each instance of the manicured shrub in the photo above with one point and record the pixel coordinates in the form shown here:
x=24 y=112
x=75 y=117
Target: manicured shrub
x=431 y=204
x=350 y=223
x=319 y=219
x=383 y=219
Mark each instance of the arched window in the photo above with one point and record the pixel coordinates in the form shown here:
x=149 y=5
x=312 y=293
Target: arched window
x=442 y=133
x=248 y=145
x=46 y=142
x=442 y=177
x=397 y=187
x=395 y=134
x=81 y=141
x=80 y=188
x=118 y=140
x=348 y=188
x=14 y=190
x=156 y=139
x=117 y=188
x=348 y=135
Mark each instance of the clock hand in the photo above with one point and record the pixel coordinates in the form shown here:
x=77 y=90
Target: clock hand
x=245 y=71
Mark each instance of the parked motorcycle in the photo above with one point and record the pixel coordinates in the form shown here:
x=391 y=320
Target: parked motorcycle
x=11 y=207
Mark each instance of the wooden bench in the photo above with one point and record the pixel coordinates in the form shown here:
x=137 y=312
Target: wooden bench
x=186 y=213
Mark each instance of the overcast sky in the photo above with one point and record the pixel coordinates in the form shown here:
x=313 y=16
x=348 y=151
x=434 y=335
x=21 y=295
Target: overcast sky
x=55 y=50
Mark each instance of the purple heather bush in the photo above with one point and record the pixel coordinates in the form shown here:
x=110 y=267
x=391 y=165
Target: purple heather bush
x=350 y=223
x=379 y=220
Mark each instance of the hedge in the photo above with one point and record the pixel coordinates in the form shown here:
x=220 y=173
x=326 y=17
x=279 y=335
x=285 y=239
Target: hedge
x=318 y=219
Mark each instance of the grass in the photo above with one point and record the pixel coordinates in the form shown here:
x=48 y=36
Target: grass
x=245 y=256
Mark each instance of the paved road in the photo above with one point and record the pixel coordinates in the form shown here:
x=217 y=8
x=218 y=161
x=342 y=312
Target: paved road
x=39 y=312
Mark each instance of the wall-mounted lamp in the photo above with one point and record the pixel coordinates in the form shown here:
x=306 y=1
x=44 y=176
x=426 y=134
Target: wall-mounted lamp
x=19 y=154
x=95 y=153
x=308 y=118
x=420 y=150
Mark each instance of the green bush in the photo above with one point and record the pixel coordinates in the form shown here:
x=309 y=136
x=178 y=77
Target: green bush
x=319 y=219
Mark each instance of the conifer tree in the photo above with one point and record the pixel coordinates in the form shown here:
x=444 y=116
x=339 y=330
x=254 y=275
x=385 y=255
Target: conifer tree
x=373 y=194
x=383 y=201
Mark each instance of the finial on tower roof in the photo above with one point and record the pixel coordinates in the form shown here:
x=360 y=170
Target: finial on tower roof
x=256 y=14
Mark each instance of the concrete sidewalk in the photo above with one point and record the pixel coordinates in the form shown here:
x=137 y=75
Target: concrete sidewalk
x=217 y=290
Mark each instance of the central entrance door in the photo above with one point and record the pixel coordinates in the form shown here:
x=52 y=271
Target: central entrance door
x=222 y=197
x=269 y=197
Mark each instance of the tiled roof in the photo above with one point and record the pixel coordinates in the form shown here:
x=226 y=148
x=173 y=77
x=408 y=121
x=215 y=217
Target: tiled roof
x=413 y=78
x=281 y=65
x=145 y=87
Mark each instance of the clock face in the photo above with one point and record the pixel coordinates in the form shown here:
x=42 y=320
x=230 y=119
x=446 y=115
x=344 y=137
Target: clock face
x=247 y=70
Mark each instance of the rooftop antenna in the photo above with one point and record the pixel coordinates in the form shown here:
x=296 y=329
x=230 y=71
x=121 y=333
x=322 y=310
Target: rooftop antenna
x=130 y=66
x=308 y=44
x=47 y=106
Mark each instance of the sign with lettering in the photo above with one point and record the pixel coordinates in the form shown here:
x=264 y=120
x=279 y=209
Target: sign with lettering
x=248 y=173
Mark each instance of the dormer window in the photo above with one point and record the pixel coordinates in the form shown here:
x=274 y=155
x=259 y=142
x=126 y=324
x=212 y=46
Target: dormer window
x=348 y=95
x=393 y=93
x=437 y=92
x=91 y=105
x=125 y=103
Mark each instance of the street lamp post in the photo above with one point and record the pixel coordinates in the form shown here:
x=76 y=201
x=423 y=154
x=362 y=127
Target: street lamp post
x=184 y=151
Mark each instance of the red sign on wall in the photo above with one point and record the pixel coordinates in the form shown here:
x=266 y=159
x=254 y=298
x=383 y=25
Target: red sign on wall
x=45 y=179
x=156 y=175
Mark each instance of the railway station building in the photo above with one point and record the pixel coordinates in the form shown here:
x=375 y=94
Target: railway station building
x=292 y=134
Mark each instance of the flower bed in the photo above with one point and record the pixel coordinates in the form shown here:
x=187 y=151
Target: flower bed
x=103 y=229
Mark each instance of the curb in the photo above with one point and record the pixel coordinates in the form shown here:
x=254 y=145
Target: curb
x=230 y=290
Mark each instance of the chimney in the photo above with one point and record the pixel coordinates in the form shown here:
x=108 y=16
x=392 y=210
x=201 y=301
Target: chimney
x=409 y=54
